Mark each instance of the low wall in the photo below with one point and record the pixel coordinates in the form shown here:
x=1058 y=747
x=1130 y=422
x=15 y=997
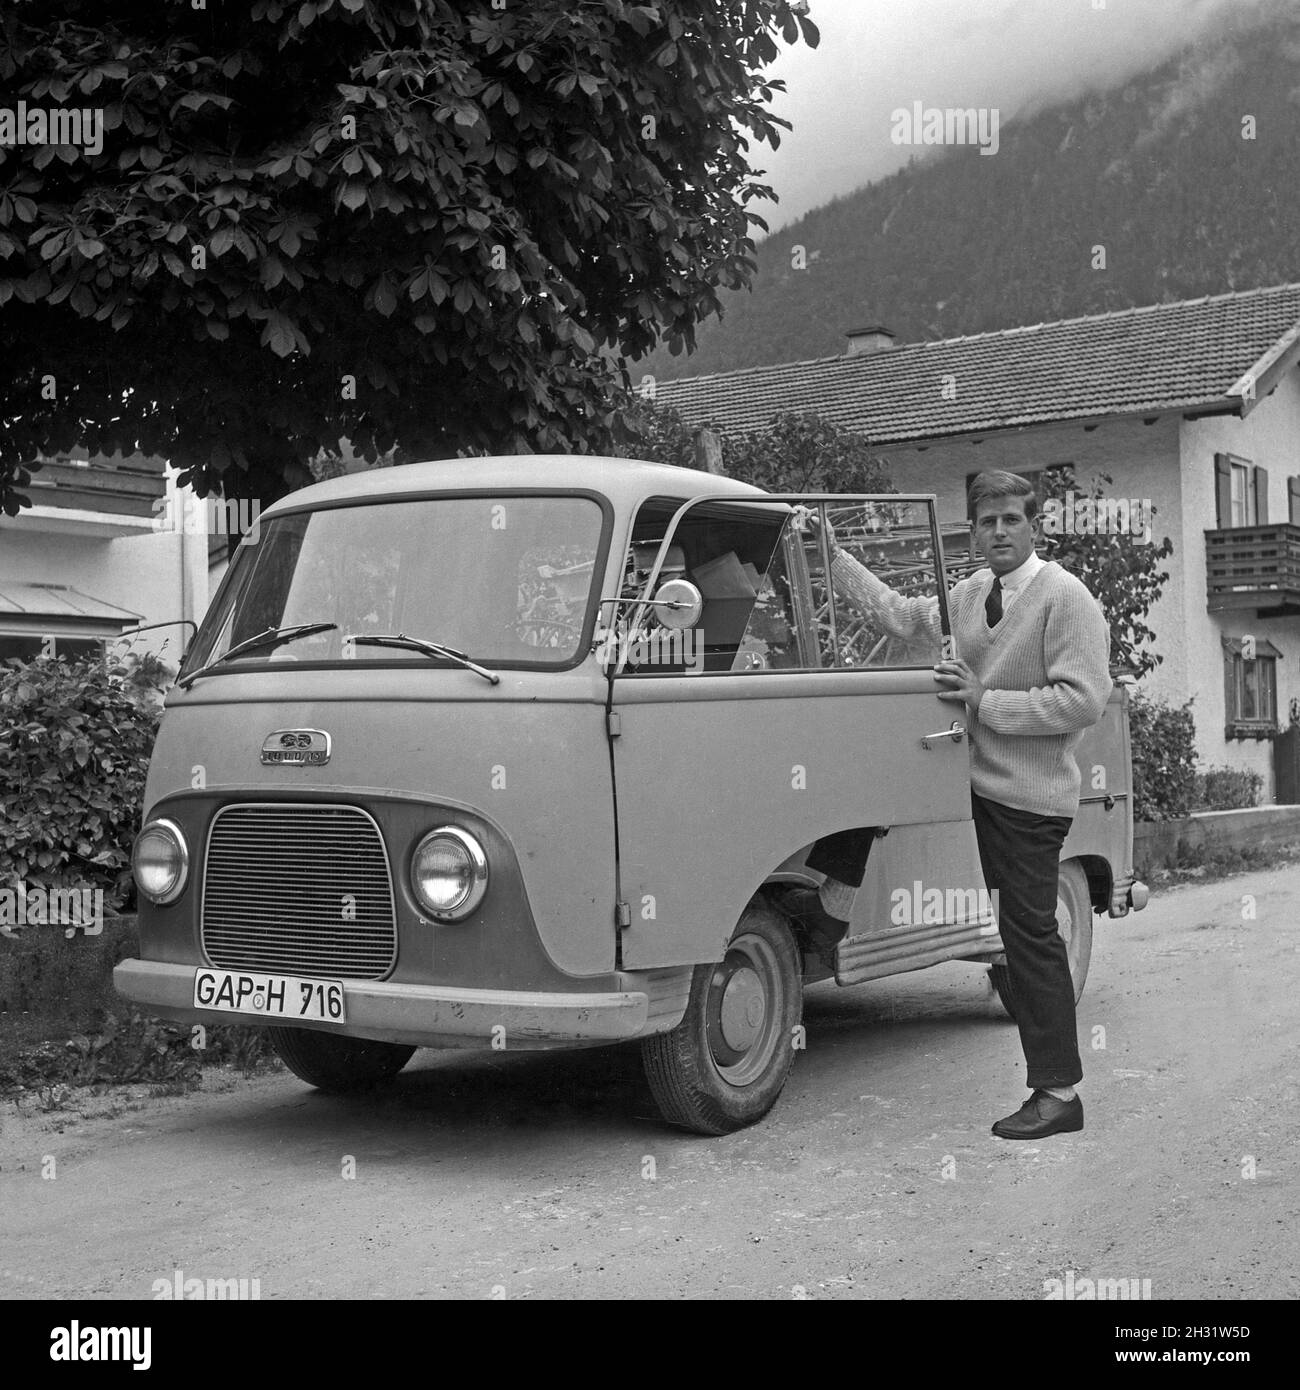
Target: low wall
x=52 y=986
x=1156 y=843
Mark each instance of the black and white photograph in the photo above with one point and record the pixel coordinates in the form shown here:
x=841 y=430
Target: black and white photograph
x=649 y=652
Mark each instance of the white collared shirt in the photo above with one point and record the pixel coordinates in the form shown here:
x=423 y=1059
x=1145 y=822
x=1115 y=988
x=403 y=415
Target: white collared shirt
x=1013 y=583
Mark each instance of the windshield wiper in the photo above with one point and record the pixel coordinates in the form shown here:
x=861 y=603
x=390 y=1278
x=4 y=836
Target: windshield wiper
x=270 y=637
x=418 y=644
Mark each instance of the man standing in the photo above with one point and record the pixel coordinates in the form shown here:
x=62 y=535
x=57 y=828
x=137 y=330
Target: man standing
x=1033 y=675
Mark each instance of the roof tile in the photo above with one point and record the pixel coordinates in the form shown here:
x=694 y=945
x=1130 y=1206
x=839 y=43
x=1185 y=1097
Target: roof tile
x=1181 y=356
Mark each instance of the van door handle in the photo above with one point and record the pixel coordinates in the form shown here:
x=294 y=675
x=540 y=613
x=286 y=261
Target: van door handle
x=956 y=733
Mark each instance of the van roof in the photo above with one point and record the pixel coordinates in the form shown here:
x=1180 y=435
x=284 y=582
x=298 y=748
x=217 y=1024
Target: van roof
x=624 y=481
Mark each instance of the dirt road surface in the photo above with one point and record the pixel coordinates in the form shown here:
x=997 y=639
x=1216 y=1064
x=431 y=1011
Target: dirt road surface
x=533 y=1176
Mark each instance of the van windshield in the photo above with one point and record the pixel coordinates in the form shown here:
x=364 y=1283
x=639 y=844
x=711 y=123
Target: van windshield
x=506 y=580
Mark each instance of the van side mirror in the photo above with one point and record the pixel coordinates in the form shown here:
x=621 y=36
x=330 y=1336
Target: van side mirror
x=677 y=604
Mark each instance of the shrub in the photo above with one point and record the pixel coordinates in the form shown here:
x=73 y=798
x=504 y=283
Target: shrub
x=75 y=742
x=1164 y=759
x=1227 y=788
x=1123 y=575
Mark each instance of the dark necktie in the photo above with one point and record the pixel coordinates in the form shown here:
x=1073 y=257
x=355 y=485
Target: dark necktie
x=993 y=604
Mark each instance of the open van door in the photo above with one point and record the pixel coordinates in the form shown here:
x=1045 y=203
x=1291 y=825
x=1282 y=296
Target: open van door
x=784 y=715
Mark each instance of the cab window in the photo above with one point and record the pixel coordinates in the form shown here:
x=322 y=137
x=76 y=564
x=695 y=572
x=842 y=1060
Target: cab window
x=769 y=604
x=894 y=541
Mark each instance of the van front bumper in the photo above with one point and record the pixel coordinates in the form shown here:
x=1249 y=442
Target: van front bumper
x=433 y=1016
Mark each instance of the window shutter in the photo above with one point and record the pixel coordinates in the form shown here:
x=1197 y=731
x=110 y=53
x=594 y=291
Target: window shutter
x=1222 y=492
x=1293 y=501
x=1261 y=496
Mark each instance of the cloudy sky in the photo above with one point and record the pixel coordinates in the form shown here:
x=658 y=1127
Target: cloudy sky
x=1015 y=55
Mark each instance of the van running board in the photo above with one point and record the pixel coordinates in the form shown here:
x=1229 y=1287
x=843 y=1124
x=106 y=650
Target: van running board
x=859 y=958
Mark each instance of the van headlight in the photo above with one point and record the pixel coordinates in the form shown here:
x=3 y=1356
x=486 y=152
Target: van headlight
x=449 y=873
x=160 y=861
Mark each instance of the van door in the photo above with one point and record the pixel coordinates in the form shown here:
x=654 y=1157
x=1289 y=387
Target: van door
x=788 y=713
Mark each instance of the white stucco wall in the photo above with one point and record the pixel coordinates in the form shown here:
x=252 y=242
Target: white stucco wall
x=1269 y=437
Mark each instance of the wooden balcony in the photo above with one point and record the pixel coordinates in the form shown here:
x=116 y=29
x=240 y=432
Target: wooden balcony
x=114 y=486
x=1255 y=568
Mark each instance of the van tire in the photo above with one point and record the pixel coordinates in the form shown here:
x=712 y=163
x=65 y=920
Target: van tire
x=337 y=1064
x=1073 y=922
x=725 y=1063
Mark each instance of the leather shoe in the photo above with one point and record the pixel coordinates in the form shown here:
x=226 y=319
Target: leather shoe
x=823 y=932
x=1040 y=1116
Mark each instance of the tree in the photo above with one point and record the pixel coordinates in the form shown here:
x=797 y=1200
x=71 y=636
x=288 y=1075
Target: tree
x=802 y=452
x=796 y=452
x=440 y=225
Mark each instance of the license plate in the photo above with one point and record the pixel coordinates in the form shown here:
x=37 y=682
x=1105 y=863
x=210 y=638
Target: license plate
x=269 y=996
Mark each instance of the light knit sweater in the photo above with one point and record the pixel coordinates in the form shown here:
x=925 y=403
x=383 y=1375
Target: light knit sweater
x=1045 y=669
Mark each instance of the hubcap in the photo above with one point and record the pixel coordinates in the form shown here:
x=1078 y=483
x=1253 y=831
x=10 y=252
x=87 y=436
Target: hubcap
x=743 y=1013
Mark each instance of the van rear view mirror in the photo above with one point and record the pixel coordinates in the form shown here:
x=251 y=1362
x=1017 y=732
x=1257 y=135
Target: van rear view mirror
x=678 y=604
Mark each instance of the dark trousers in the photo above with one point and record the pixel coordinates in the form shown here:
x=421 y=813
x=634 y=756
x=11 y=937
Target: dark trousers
x=1020 y=853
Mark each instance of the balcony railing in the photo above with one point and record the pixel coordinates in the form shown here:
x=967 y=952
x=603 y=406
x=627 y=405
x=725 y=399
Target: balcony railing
x=119 y=486
x=1254 y=567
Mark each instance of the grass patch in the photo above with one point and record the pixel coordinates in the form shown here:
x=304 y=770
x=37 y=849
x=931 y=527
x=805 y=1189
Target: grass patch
x=126 y=1049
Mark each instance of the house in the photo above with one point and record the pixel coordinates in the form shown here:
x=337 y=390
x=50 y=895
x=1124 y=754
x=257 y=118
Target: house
x=1193 y=410
x=102 y=550
x=111 y=544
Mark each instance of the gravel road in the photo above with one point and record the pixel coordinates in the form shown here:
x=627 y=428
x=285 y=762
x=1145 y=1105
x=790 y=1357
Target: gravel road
x=535 y=1176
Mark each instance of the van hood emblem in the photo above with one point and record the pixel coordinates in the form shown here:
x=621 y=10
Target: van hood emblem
x=296 y=748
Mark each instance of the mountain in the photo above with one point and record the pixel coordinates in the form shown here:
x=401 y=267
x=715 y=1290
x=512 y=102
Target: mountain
x=1157 y=172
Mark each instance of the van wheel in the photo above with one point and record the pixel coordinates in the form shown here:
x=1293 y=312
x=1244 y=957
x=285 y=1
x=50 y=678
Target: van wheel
x=1073 y=922
x=334 y=1063
x=725 y=1063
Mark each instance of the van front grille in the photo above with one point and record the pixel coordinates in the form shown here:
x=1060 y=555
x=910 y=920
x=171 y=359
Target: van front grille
x=298 y=890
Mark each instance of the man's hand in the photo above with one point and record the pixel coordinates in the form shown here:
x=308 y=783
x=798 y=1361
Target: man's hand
x=962 y=683
x=807 y=522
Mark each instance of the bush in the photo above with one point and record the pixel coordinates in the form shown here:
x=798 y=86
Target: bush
x=1164 y=759
x=75 y=742
x=1227 y=788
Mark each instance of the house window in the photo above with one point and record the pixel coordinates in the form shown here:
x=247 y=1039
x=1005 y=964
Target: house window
x=1241 y=492
x=1250 y=688
x=1241 y=505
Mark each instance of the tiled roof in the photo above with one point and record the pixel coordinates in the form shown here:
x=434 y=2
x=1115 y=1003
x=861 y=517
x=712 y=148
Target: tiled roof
x=1186 y=356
